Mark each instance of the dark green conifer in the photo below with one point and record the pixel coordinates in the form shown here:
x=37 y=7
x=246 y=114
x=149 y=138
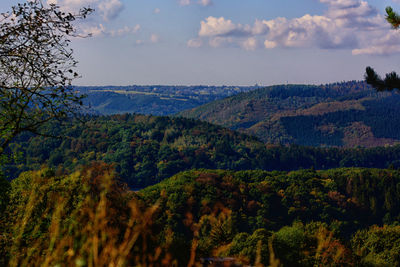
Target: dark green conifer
x=392 y=80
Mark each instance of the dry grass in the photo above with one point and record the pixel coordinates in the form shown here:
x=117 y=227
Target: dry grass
x=94 y=233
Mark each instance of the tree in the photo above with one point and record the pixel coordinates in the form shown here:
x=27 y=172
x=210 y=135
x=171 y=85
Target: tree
x=36 y=67
x=392 y=80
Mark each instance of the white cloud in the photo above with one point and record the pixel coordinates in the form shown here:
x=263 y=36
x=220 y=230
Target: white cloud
x=260 y=27
x=205 y=2
x=346 y=24
x=381 y=45
x=95 y=31
x=269 y=44
x=136 y=28
x=154 y=38
x=340 y=3
x=219 y=41
x=105 y=10
x=101 y=31
x=157 y=11
x=377 y=50
x=139 y=42
x=216 y=27
x=250 y=43
x=124 y=31
x=184 y=2
x=110 y=9
x=198 y=2
x=213 y=27
x=195 y=43
x=73 y=5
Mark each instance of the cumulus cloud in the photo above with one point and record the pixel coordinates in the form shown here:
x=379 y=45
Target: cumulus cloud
x=154 y=38
x=108 y=9
x=101 y=31
x=139 y=42
x=250 y=43
x=195 y=43
x=95 y=31
x=73 y=5
x=205 y=2
x=220 y=41
x=270 y=44
x=216 y=27
x=346 y=24
x=198 y=2
x=184 y=2
x=381 y=45
x=125 y=31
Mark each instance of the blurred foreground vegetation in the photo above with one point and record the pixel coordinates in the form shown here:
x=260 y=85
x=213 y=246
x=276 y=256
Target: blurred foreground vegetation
x=338 y=217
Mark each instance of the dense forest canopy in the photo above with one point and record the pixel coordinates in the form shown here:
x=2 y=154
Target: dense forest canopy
x=340 y=217
x=345 y=201
x=148 y=149
x=346 y=114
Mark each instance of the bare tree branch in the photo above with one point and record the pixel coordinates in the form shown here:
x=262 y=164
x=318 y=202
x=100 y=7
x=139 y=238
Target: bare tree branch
x=36 y=67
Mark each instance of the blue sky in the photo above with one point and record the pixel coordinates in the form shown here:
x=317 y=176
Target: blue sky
x=231 y=42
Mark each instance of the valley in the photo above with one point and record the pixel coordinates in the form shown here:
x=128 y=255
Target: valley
x=196 y=166
x=346 y=114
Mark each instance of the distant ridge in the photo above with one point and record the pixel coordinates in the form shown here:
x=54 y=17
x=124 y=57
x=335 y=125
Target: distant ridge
x=153 y=99
x=345 y=114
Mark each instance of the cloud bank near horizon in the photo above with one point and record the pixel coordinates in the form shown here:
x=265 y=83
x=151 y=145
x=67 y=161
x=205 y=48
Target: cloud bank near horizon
x=346 y=24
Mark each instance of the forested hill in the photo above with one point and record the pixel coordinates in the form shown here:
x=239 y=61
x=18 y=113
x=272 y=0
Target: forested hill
x=148 y=149
x=153 y=99
x=344 y=114
x=233 y=212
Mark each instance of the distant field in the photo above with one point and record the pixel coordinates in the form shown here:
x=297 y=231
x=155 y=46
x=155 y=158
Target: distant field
x=123 y=92
x=154 y=99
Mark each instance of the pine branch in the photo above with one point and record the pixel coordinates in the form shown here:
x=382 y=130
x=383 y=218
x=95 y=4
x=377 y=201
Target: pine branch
x=391 y=81
x=392 y=17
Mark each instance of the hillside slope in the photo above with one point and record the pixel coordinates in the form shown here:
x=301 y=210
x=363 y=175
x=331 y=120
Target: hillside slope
x=344 y=114
x=153 y=99
x=231 y=209
x=148 y=149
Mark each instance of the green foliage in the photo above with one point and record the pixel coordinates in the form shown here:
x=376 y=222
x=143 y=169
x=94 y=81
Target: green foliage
x=148 y=149
x=378 y=246
x=392 y=79
x=4 y=191
x=145 y=149
x=311 y=244
x=300 y=218
x=341 y=200
x=289 y=243
x=86 y=217
x=340 y=114
x=392 y=17
x=248 y=247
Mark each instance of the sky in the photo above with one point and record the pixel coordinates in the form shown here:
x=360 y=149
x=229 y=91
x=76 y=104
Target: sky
x=231 y=42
